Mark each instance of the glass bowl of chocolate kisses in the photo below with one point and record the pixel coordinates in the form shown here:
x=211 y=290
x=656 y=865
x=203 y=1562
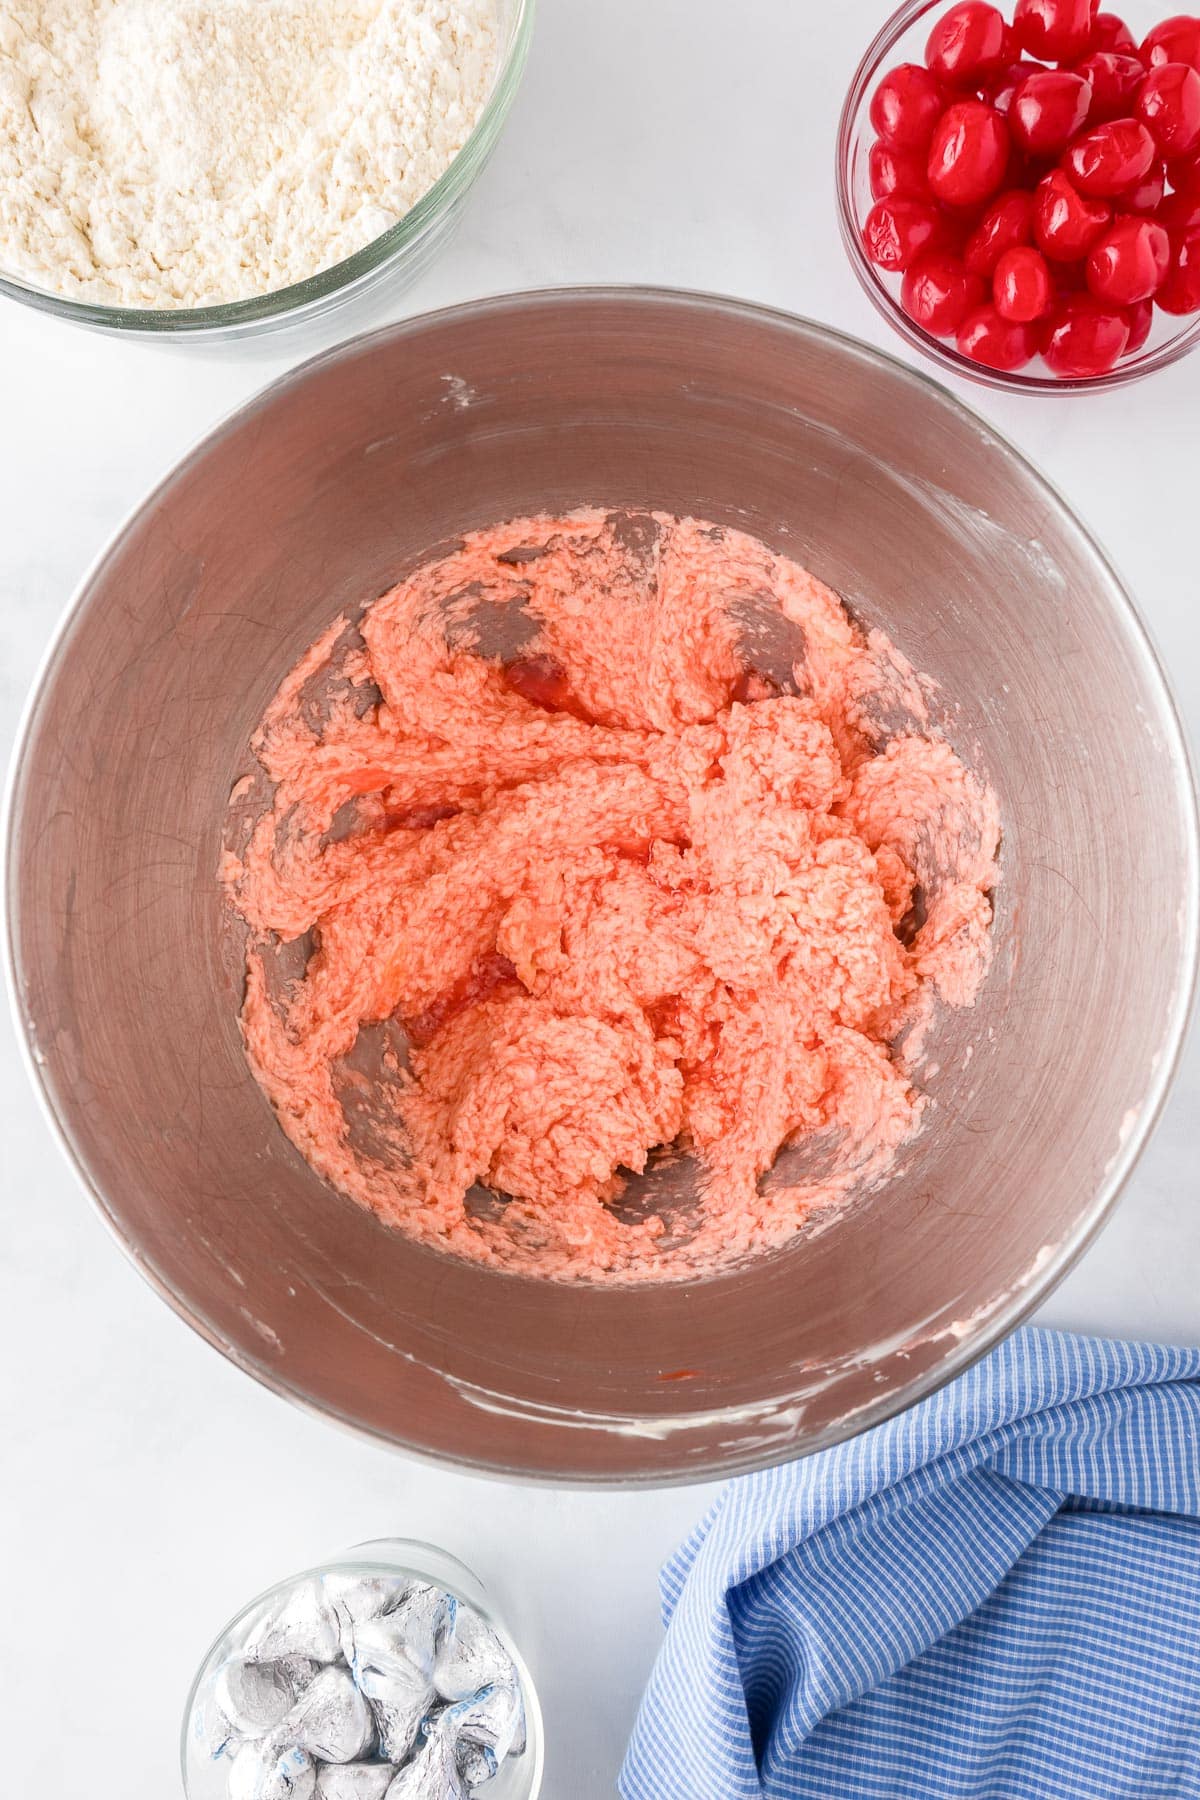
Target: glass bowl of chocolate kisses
x=382 y=1674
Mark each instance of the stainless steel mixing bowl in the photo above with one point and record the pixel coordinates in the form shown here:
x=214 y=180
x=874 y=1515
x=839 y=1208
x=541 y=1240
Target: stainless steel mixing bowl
x=317 y=497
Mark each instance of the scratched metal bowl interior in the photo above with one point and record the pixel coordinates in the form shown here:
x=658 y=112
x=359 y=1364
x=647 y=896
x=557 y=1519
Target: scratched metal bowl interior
x=320 y=495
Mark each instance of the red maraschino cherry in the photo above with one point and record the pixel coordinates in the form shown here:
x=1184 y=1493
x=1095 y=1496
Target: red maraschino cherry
x=996 y=342
x=1174 y=40
x=999 y=88
x=897 y=231
x=1065 y=222
x=1022 y=287
x=1048 y=110
x=938 y=292
x=1129 y=261
x=1110 y=32
x=1110 y=157
x=1180 y=292
x=1146 y=195
x=968 y=155
x=1140 y=319
x=1114 y=80
x=897 y=172
x=1168 y=104
x=966 y=43
x=1180 y=212
x=1084 y=337
x=906 y=107
x=1056 y=30
x=1006 y=222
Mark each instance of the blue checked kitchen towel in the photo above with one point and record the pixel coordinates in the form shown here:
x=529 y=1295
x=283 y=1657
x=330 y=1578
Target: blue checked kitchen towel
x=995 y=1596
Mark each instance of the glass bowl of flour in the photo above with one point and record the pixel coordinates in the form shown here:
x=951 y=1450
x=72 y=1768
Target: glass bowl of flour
x=213 y=168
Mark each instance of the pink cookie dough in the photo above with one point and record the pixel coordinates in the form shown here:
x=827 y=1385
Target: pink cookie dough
x=522 y=920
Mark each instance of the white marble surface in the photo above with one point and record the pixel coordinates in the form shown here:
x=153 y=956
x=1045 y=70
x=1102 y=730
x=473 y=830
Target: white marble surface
x=150 y=1485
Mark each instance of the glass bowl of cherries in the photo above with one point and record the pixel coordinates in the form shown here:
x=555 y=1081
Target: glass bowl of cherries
x=1019 y=190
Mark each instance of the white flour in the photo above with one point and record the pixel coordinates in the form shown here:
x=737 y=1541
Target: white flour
x=175 y=153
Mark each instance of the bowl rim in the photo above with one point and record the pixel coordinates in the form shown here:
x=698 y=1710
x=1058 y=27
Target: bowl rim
x=301 y=298
x=941 y=350
x=1027 y=1292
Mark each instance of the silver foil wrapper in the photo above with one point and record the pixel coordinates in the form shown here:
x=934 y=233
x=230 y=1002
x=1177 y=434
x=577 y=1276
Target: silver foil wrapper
x=394 y=1654
x=268 y=1770
x=399 y=1699
x=354 y=1781
x=356 y=1598
x=346 y=1668
x=331 y=1719
x=424 y=1615
x=254 y=1697
x=470 y=1657
x=391 y=1646
x=301 y=1623
x=433 y=1774
x=476 y=1764
x=493 y=1718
